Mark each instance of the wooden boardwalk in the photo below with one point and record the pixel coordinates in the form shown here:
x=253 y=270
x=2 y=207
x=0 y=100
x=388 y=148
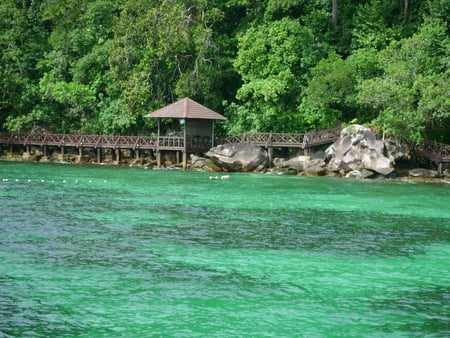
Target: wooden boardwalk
x=154 y=143
x=436 y=152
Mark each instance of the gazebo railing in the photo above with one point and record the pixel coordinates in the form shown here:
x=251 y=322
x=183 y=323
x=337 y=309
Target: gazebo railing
x=170 y=143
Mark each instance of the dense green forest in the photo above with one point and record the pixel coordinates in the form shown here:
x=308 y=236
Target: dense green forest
x=98 y=66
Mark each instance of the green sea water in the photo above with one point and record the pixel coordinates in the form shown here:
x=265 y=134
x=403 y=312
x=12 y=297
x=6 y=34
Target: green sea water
x=125 y=252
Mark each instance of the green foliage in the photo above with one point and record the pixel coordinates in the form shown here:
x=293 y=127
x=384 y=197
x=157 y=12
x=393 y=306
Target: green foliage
x=22 y=44
x=164 y=50
x=330 y=91
x=98 y=66
x=272 y=61
x=406 y=96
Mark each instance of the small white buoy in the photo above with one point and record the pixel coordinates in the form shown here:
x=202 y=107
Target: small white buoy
x=64 y=181
x=90 y=181
x=224 y=177
x=5 y=180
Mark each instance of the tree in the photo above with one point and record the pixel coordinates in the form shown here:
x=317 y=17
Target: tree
x=272 y=60
x=22 y=44
x=327 y=95
x=164 y=50
x=411 y=96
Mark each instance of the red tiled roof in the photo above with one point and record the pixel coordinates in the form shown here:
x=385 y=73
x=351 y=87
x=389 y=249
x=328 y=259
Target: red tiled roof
x=186 y=109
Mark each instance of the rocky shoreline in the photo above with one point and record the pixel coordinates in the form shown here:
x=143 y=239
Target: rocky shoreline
x=358 y=154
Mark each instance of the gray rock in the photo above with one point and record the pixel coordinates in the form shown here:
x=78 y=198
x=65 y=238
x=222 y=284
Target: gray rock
x=295 y=163
x=315 y=171
x=316 y=167
x=242 y=156
x=354 y=174
x=358 y=149
x=364 y=173
x=197 y=162
x=421 y=172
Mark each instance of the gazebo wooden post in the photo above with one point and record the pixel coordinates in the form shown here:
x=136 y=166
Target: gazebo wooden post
x=184 y=144
x=212 y=134
x=158 y=153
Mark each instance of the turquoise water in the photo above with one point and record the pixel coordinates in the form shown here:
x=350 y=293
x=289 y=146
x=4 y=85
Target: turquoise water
x=106 y=252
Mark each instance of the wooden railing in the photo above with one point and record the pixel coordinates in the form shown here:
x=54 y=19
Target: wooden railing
x=315 y=138
x=168 y=142
x=434 y=151
x=106 y=141
x=79 y=140
x=268 y=139
x=310 y=139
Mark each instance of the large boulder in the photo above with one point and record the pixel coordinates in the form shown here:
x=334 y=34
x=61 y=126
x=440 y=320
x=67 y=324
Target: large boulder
x=203 y=164
x=290 y=166
x=242 y=156
x=315 y=167
x=356 y=149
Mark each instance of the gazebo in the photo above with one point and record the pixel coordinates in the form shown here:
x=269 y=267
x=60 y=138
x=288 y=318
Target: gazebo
x=196 y=124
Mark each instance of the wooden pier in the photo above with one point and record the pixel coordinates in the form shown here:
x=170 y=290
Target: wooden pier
x=157 y=144
x=173 y=143
x=435 y=152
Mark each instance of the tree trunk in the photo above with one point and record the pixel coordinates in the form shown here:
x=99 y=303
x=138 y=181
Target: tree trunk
x=334 y=15
x=405 y=11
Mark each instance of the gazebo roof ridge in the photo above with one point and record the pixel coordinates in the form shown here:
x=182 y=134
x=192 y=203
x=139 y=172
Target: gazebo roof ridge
x=186 y=108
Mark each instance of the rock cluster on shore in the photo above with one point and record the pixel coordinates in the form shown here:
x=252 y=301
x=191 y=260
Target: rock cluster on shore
x=358 y=153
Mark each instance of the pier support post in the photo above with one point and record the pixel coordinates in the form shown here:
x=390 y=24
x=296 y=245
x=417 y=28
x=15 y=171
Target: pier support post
x=158 y=159
x=270 y=155
x=99 y=155
x=184 y=160
x=117 y=151
x=177 y=154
